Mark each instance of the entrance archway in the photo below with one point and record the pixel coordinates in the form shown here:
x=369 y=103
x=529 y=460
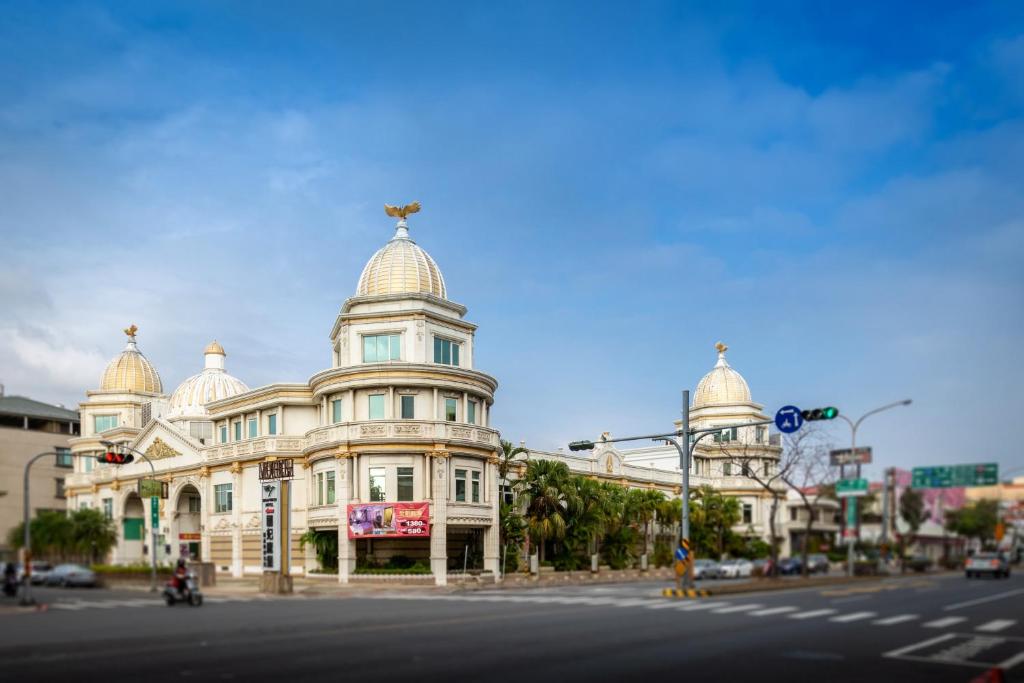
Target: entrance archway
x=133 y=530
x=188 y=514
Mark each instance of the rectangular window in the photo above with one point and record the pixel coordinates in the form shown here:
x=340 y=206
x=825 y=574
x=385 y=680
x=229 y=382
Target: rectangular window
x=194 y=504
x=508 y=496
x=451 y=409
x=475 y=489
x=408 y=407
x=108 y=508
x=471 y=412
x=767 y=467
x=87 y=463
x=446 y=351
x=201 y=430
x=223 y=433
x=727 y=468
x=377 y=492
x=272 y=424
x=320 y=489
x=792 y=514
x=64 y=458
x=748 y=513
x=759 y=435
x=238 y=431
x=405 y=479
x=336 y=411
x=377 y=407
x=104 y=422
x=460 y=486
x=378 y=348
x=726 y=435
x=221 y=498
x=60 y=487
x=330 y=488
x=252 y=427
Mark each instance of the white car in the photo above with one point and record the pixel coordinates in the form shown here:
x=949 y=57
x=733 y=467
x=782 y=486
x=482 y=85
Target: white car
x=736 y=569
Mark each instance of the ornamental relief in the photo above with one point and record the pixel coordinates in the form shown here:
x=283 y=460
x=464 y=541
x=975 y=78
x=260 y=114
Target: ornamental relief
x=401 y=429
x=462 y=433
x=158 y=450
x=372 y=430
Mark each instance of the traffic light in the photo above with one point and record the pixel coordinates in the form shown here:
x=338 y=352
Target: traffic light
x=581 y=446
x=829 y=413
x=112 y=458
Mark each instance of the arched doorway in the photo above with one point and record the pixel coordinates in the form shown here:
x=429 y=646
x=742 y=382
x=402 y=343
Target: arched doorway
x=133 y=530
x=188 y=514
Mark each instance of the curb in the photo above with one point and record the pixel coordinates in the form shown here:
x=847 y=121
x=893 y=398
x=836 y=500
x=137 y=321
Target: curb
x=688 y=593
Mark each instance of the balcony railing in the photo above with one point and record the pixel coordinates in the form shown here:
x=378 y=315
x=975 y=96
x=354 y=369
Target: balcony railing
x=387 y=430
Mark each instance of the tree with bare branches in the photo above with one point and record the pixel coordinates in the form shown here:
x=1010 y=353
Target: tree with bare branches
x=811 y=476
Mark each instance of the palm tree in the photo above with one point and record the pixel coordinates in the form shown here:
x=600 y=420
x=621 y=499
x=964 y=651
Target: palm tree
x=642 y=506
x=548 y=500
x=507 y=458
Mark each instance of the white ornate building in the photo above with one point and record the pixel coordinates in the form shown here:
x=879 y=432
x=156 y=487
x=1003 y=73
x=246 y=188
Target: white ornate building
x=722 y=398
x=401 y=415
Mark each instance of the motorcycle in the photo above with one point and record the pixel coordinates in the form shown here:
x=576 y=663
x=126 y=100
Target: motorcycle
x=191 y=593
x=10 y=587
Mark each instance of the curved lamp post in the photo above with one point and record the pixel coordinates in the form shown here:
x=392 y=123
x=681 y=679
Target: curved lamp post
x=26 y=576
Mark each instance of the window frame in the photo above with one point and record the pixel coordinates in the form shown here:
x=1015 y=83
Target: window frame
x=460 y=476
x=474 y=486
x=471 y=411
x=747 y=513
x=336 y=408
x=371 y=399
x=272 y=424
x=223 y=432
x=222 y=503
x=454 y=353
x=394 y=346
x=454 y=404
x=383 y=494
x=252 y=427
x=96 y=422
x=61 y=491
x=64 y=459
x=410 y=400
x=237 y=430
x=410 y=475
x=330 y=488
x=108 y=507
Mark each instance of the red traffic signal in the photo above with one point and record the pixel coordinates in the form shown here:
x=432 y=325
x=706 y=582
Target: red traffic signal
x=112 y=458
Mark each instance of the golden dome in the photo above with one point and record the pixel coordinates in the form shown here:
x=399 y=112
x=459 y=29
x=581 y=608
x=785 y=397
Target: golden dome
x=131 y=371
x=722 y=385
x=215 y=347
x=401 y=267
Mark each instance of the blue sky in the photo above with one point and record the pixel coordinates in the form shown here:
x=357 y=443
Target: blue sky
x=610 y=188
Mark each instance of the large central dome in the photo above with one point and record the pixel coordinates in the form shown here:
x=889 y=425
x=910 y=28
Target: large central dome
x=401 y=267
x=723 y=385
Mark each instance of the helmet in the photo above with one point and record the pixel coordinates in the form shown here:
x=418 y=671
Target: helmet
x=181 y=561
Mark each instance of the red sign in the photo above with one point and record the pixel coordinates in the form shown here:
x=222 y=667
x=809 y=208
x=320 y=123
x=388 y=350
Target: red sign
x=388 y=520
x=189 y=537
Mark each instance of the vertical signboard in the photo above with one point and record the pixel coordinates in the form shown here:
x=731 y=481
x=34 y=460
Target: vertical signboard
x=271 y=509
x=850 y=532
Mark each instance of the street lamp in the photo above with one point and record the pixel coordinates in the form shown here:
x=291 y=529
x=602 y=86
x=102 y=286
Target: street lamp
x=153 y=541
x=854 y=424
x=26 y=575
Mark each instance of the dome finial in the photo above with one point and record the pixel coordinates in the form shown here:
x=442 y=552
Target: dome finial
x=130 y=331
x=400 y=212
x=722 y=348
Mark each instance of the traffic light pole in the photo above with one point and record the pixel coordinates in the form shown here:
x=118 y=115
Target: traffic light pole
x=153 y=541
x=26 y=576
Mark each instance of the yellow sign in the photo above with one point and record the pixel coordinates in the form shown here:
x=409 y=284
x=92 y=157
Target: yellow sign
x=1000 y=531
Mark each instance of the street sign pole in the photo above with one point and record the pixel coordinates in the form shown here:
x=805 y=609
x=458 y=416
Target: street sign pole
x=684 y=524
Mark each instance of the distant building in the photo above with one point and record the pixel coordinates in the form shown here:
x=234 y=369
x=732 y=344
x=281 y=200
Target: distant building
x=27 y=428
x=824 y=528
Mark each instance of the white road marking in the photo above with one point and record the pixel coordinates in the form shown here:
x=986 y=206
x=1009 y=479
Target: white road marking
x=662 y=605
x=889 y=621
x=996 y=625
x=1011 y=662
x=631 y=602
x=773 y=610
x=989 y=598
x=943 y=623
x=812 y=614
x=66 y=605
x=693 y=606
x=918 y=646
x=855 y=616
x=736 y=608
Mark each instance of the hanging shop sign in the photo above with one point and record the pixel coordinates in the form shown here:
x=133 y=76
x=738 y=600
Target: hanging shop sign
x=388 y=520
x=277 y=469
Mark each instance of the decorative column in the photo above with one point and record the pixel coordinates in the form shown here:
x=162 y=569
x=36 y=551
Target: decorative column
x=439 y=521
x=492 y=533
x=343 y=495
x=237 y=496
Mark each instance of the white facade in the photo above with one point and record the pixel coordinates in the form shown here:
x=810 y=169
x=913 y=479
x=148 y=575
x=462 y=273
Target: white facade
x=401 y=415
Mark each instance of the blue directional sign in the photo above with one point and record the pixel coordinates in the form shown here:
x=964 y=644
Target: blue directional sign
x=681 y=554
x=789 y=419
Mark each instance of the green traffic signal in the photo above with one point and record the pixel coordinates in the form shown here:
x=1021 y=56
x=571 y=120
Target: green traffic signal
x=829 y=413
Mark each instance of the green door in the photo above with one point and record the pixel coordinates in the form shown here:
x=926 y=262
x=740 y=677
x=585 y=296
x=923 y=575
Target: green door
x=133 y=528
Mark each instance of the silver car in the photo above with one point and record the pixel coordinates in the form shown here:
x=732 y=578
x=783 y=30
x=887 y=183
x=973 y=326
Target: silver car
x=706 y=569
x=71 y=575
x=994 y=564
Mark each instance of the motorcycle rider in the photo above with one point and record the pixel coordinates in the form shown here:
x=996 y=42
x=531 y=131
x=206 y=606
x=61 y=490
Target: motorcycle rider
x=180 y=576
x=10 y=579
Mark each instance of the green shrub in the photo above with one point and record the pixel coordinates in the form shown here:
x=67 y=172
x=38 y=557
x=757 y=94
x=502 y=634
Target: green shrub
x=662 y=556
x=130 y=569
x=416 y=568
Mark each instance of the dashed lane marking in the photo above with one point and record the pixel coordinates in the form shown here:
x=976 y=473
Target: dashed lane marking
x=773 y=610
x=898 y=619
x=812 y=614
x=944 y=622
x=694 y=606
x=855 y=616
x=996 y=625
x=736 y=608
x=988 y=598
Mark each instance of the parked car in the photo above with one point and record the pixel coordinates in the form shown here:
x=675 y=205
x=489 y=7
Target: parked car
x=735 y=569
x=790 y=565
x=71 y=575
x=918 y=563
x=40 y=569
x=706 y=569
x=995 y=564
x=817 y=563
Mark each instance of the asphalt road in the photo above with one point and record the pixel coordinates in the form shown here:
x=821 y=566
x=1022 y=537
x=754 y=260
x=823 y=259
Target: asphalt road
x=916 y=629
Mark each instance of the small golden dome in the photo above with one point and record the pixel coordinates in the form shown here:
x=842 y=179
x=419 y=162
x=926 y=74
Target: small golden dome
x=723 y=385
x=215 y=347
x=131 y=371
x=400 y=267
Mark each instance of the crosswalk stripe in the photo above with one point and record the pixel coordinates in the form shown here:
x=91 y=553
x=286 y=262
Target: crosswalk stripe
x=694 y=606
x=996 y=625
x=66 y=605
x=662 y=605
x=899 y=619
x=773 y=610
x=736 y=608
x=812 y=614
x=943 y=623
x=631 y=602
x=855 y=616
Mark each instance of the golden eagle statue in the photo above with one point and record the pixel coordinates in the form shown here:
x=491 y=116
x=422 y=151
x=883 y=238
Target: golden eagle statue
x=403 y=211
x=130 y=331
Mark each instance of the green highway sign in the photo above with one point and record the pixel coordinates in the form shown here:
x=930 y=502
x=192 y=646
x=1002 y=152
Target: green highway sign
x=847 y=488
x=955 y=476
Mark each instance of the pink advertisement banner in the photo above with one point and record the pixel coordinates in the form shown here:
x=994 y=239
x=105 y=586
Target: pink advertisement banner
x=388 y=520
